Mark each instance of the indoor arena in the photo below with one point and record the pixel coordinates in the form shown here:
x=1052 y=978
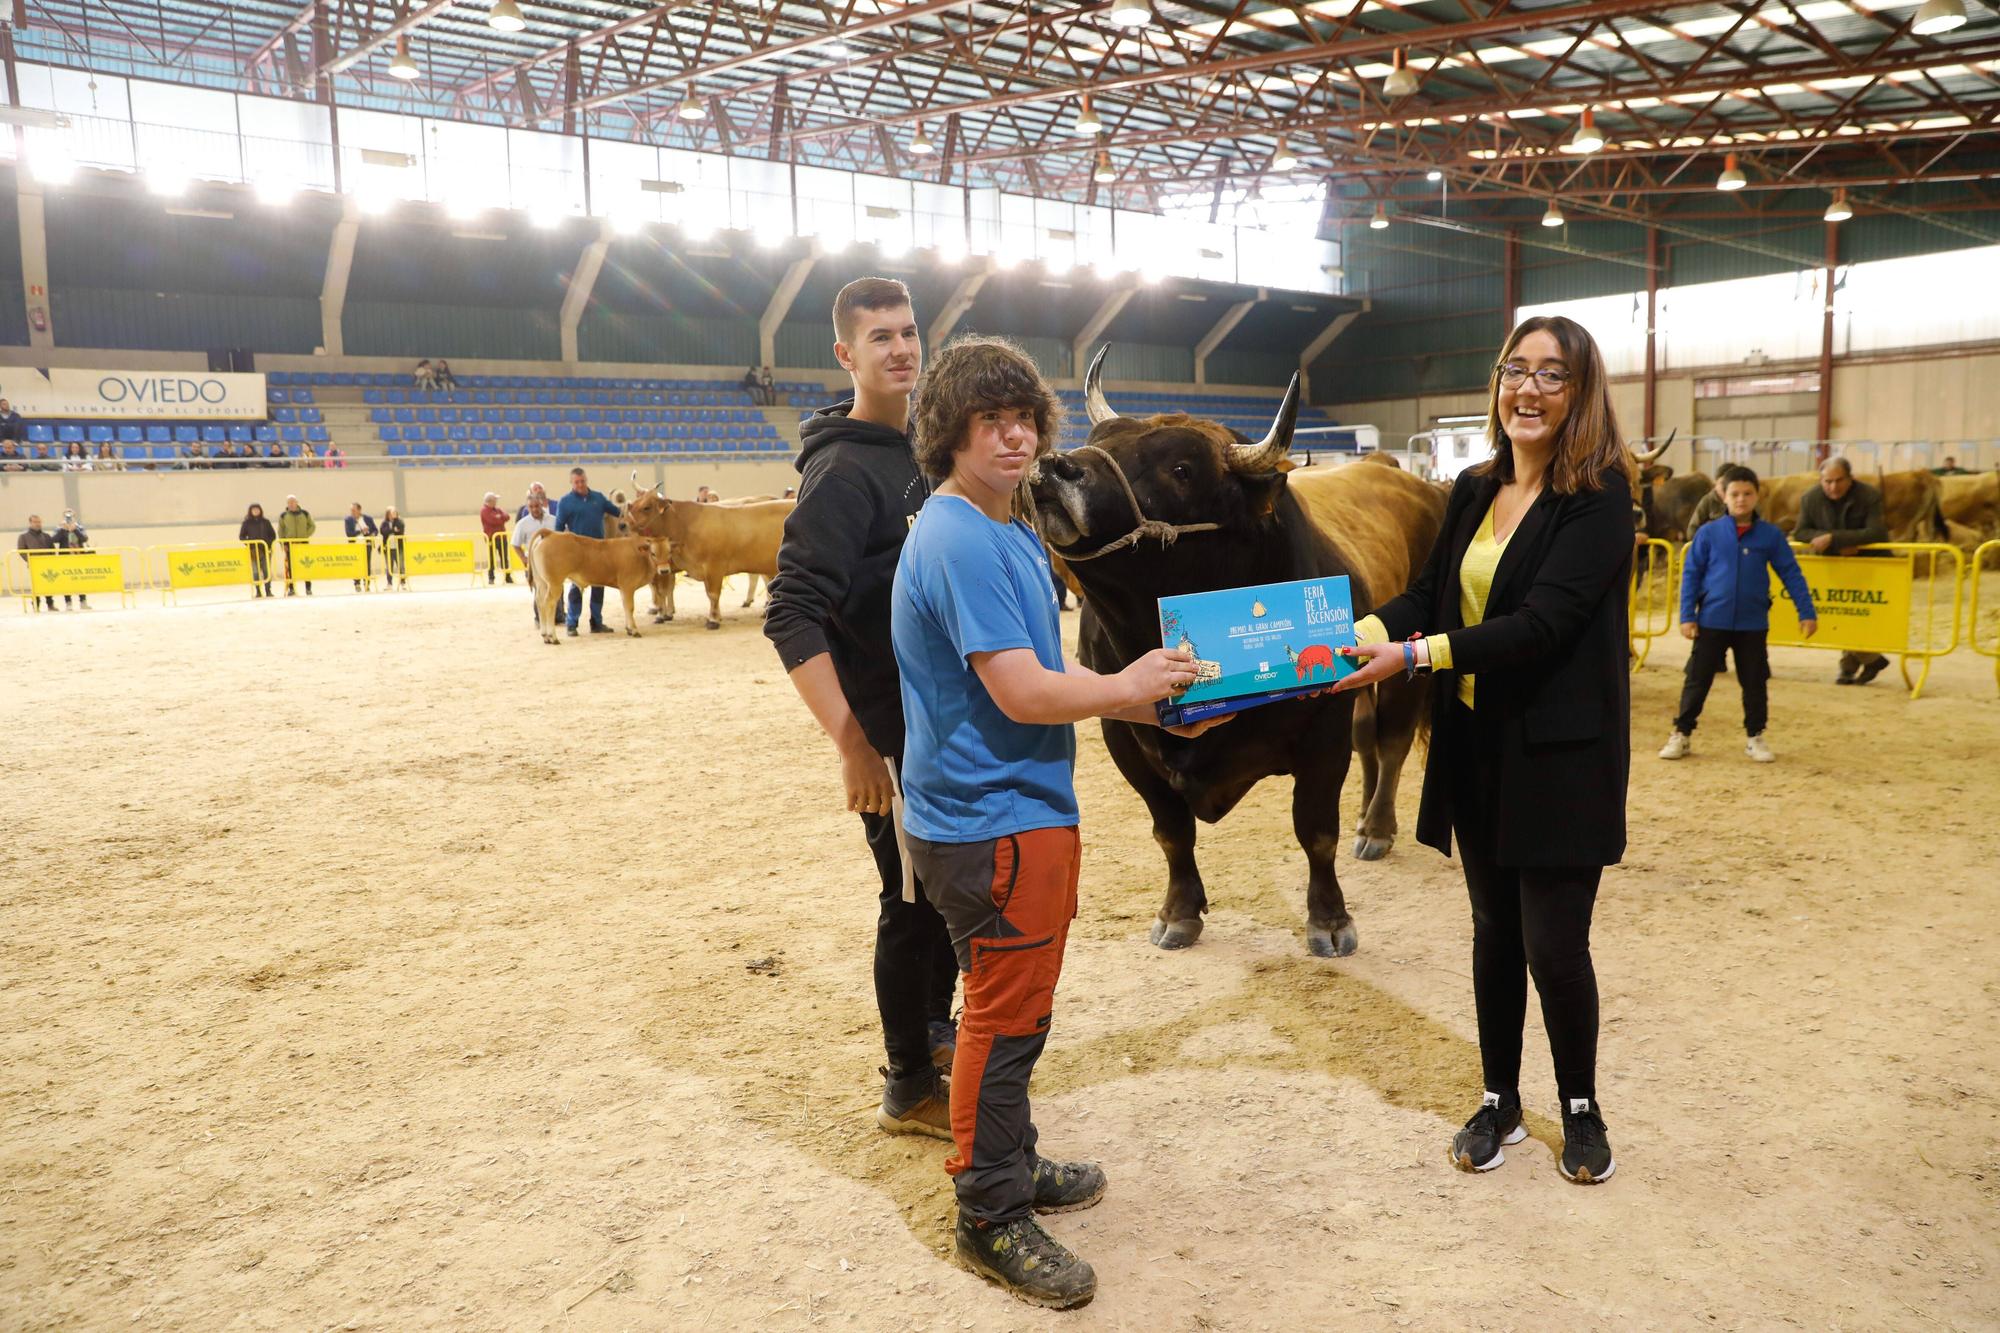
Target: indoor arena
x=452 y=949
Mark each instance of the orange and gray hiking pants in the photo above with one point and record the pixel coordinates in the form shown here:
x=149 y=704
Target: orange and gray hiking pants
x=1008 y=903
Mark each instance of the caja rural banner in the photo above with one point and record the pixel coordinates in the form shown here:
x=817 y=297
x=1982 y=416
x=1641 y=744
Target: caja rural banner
x=64 y=572
x=439 y=555
x=328 y=560
x=208 y=567
x=149 y=394
x=1863 y=603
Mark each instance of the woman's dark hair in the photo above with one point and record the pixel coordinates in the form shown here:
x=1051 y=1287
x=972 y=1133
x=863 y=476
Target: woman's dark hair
x=1588 y=442
x=254 y=511
x=973 y=374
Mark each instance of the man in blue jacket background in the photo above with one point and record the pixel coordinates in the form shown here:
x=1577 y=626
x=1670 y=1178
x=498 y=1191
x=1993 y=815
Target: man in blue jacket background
x=583 y=512
x=1726 y=607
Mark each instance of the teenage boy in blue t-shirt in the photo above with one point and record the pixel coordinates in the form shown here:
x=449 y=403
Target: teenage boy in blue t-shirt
x=990 y=807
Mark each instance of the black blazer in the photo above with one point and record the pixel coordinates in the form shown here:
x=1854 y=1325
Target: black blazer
x=1551 y=657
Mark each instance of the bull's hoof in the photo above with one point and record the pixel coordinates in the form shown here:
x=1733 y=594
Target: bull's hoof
x=631 y=633
x=659 y=619
x=1371 y=849
x=1325 y=942
x=1176 y=934
x=711 y=624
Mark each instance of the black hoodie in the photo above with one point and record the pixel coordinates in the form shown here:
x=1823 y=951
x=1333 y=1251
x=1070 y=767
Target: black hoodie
x=859 y=489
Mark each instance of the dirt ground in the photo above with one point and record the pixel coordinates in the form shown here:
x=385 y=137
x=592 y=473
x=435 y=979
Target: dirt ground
x=369 y=965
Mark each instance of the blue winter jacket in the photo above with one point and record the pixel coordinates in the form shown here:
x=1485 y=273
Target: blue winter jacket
x=1725 y=583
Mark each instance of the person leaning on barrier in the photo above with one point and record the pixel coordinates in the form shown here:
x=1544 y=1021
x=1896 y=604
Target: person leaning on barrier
x=1950 y=468
x=35 y=539
x=535 y=517
x=362 y=528
x=493 y=522
x=257 y=533
x=11 y=457
x=294 y=525
x=1835 y=517
x=70 y=536
x=392 y=528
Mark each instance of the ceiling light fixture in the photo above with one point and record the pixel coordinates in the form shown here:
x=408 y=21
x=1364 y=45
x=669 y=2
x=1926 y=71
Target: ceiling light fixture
x=1554 y=217
x=400 y=64
x=1132 y=13
x=1839 y=210
x=505 y=16
x=1586 y=139
x=1380 y=222
x=1938 y=16
x=1087 y=121
x=1105 y=173
x=1732 y=177
x=920 y=145
x=1434 y=175
x=691 y=108
x=1284 y=159
x=1401 y=80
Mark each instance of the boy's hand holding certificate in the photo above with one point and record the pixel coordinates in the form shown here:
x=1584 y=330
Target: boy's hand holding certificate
x=1257 y=645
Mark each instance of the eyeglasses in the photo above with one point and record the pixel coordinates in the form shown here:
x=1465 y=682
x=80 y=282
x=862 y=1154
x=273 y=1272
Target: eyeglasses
x=1549 y=378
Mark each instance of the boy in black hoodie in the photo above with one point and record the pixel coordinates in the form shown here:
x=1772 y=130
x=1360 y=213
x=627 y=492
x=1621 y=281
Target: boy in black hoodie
x=859 y=489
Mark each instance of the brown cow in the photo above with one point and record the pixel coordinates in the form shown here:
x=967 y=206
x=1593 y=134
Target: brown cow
x=1972 y=501
x=1910 y=502
x=624 y=563
x=750 y=593
x=710 y=542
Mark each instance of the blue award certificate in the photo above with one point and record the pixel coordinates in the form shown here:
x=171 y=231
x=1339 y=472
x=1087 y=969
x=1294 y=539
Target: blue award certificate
x=1257 y=645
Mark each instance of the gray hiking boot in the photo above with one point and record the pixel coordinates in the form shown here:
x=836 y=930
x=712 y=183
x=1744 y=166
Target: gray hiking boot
x=1033 y=1265
x=1065 y=1187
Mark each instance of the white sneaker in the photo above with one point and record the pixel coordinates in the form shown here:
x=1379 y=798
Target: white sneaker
x=1758 y=750
x=1677 y=746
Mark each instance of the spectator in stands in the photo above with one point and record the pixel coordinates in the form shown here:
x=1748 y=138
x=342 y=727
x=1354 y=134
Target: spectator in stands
x=11 y=457
x=105 y=461
x=257 y=533
x=769 y=384
x=445 y=379
x=1711 y=506
x=704 y=496
x=535 y=517
x=583 y=512
x=333 y=457
x=362 y=528
x=11 y=425
x=536 y=492
x=1835 y=517
x=34 y=539
x=392 y=547
x=47 y=459
x=1950 y=468
x=273 y=457
x=493 y=522
x=424 y=376
x=71 y=537
x=294 y=525
x=192 y=455
x=74 y=457
x=752 y=385
x=308 y=455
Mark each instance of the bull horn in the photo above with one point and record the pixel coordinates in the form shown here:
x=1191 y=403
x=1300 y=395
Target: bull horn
x=1645 y=456
x=1267 y=453
x=1094 y=405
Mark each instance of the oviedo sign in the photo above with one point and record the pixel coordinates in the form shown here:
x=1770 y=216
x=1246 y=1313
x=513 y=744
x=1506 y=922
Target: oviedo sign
x=133 y=394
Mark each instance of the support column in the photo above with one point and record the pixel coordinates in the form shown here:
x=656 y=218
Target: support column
x=34 y=260
x=1325 y=340
x=1652 y=324
x=781 y=305
x=1094 y=327
x=1510 y=282
x=577 y=295
x=958 y=303
x=1825 y=425
x=339 y=263
x=1223 y=328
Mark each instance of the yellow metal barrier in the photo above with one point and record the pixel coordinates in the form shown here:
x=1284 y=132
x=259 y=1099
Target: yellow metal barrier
x=1972 y=640
x=1654 y=606
x=209 y=565
x=308 y=561
x=449 y=553
x=99 y=569
x=1867 y=605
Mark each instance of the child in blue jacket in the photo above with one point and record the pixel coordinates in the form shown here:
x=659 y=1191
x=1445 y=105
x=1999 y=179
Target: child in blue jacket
x=1726 y=606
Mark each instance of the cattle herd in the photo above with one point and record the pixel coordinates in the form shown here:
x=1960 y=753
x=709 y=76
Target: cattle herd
x=1916 y=506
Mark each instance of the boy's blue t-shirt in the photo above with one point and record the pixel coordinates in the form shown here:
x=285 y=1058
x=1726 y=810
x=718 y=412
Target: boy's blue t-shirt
x=964 y=585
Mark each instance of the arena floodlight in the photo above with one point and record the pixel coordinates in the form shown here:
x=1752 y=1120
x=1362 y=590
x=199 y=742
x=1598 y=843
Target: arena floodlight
x=275 y=192
x=1554 y=217
x=1839 y=210
x=53 y=166
x=1401 y=80
x=544 y=219
x=461 y=209
x=166 y=182
x=1433 y=175
x=1104 y=173
x=1284 y=159
x=1938 y=16
x=920 y=144
x=1586 y=139
x=1138 y=13
x=376 y=202
x=691 y=108
x=505 y=16
x=401 y=66
x=626 y=224
x=1087 y=122
x=1732 y=177
x=1380 y=222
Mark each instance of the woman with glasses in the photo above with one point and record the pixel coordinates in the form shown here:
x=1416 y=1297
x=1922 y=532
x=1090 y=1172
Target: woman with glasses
x=1519 y=617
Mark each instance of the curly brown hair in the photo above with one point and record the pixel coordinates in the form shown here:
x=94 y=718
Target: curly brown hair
x=973 y=373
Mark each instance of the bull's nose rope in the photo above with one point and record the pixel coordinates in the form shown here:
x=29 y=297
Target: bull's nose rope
x=1167 y=533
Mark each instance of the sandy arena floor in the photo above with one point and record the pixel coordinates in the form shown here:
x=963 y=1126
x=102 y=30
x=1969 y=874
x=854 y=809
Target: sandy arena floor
x=369 y=965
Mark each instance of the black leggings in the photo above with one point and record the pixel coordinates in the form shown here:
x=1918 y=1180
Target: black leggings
x=916 y=970
x=1524 y=920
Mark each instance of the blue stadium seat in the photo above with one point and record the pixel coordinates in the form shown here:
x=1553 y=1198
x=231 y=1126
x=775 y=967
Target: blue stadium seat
x=41 y=433
x=396 y=451
x=318 y=435
x=447 y=414
x=293 y=434
x=99 y=434
x=214 y=435
x=312 y=416
x=132 y=451
x=279 y=395
x=343 y=379
x=482 y=432
x=420 y=451
x=427 y=415
x=131 y=435
x=162 y=450
x=458 y=432
x=279 y=377
x=371 y=396
x=381 y=416
x=389 y=434
x=435 y=434
x=158 y=434
x=302 y=395
x=267 y=434
x=240 y=435
x=69 y=434
x=187 y=435
x=396 y=396
x=322 y=378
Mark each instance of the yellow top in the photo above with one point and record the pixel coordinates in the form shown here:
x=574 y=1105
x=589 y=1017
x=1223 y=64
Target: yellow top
x=1475 y=584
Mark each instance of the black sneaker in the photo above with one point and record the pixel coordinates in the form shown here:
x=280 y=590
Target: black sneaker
x=1066 y=1187
x=1872 y=670
x=1496 y=1122
x=944 y=1043
x=1586 y=1157
x=1028 y=1261
x=570 y=630
x=600 y=628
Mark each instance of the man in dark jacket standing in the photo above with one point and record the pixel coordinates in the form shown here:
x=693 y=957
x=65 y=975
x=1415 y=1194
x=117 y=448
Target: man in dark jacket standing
x=859 y=489
x=583 y=512
x=71 y=537
x=35 y=539
x=1834 y=518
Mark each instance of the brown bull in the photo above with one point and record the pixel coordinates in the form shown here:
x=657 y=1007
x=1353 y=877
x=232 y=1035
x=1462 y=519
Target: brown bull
x=1972 y=502
x=1910 y=502
x=750 y=593
x=710 y=542
x=624 y=563
x=1668 y=501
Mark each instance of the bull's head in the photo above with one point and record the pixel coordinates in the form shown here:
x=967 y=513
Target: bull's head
x=647 y=513
x=1183 y=473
